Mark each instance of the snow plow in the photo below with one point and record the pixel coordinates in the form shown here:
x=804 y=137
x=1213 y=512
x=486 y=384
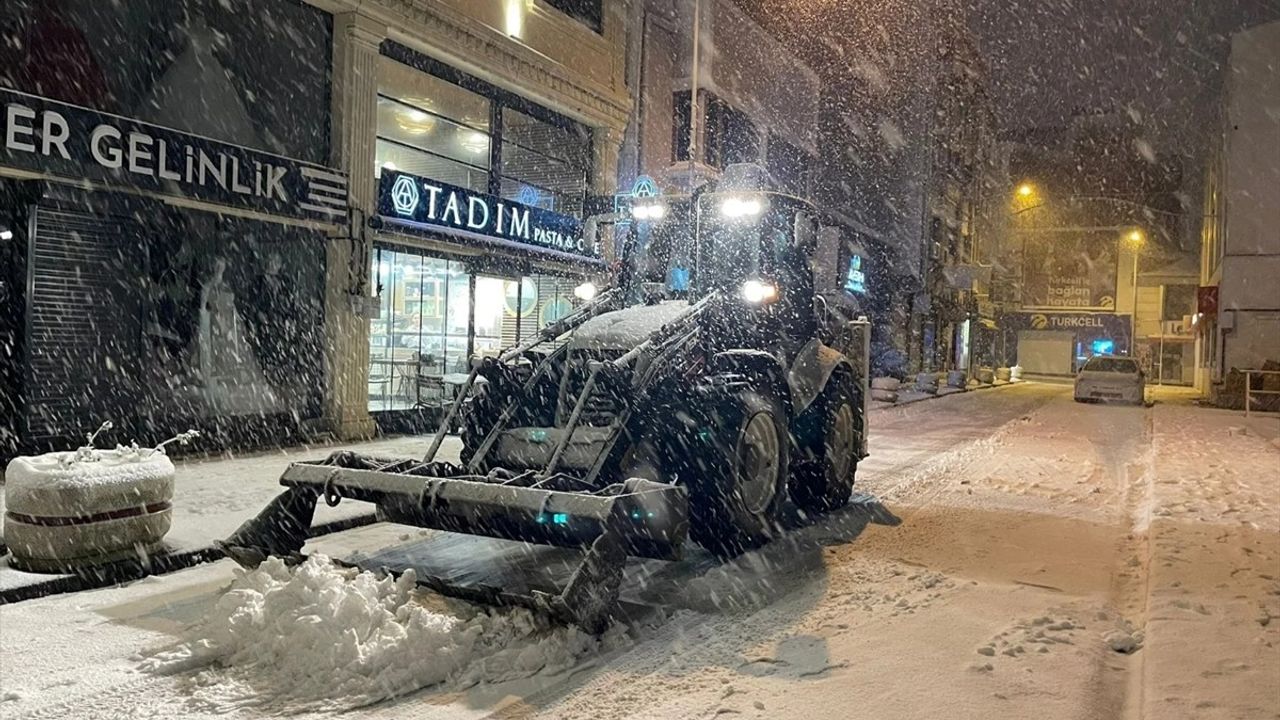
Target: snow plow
x=722 y=372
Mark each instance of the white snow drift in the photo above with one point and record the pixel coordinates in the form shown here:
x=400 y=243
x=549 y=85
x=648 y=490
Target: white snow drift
x=322 y=637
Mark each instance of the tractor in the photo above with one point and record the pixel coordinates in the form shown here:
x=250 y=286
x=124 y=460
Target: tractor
x=720 y=373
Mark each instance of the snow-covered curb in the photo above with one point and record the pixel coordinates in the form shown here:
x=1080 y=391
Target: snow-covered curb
x=908 y=398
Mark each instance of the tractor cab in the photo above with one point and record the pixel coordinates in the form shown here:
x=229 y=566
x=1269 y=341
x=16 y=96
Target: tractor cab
x=760 y=250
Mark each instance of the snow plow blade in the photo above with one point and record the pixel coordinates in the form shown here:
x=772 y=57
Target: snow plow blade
x=637 y=517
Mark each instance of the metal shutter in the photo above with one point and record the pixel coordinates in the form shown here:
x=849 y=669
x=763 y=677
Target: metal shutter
x=83 y=321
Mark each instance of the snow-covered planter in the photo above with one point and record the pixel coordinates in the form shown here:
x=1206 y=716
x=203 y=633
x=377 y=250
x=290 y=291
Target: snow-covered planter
x=885 y=383
x=66 y=510
x=957 y=378
x=927 y=383
x=1015 y=373
x=884 y=395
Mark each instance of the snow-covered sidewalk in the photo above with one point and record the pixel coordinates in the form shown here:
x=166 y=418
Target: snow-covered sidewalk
x=1022 y=556
x=1210 y=529
x=213 y=496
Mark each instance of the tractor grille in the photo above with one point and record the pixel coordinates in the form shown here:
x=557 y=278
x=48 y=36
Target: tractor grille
x=603 y=406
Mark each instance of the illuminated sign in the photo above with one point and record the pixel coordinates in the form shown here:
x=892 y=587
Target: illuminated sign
x=1092 y=326
x=429 y=204
x=404 y=195
x=66 y=142
x=855 y=280
x=643 y=187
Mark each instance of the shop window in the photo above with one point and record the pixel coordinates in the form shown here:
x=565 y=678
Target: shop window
x=1179 y=301
x=544 y=164
x=439 y=123
x=433 y=128
x=420 y=334
x=728 y=135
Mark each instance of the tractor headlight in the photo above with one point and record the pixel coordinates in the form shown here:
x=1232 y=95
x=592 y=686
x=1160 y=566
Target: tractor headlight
x=586 y=292
x=739 y=207
x=757 y=292
x=649 y=211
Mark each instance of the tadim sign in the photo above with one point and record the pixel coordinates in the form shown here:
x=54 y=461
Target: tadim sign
x=418 y=202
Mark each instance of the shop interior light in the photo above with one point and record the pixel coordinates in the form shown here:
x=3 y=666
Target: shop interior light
x=586 y=292
x=754 y=291
x=476 y=142
x=6 y=233
x=737 y=207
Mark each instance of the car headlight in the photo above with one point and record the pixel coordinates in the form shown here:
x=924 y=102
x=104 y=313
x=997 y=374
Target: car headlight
x=586 y=292
x=757 y=292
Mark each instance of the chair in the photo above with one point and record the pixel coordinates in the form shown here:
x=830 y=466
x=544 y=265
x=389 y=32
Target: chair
x=427 y=379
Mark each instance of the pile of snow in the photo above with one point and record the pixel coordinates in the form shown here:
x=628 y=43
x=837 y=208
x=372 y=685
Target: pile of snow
x=322 y=637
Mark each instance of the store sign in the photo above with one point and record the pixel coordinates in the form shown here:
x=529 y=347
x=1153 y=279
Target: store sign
x=1207 y=299
x=1084 y=324
x=412 y=200
x=1070 y=271
x=66 y=142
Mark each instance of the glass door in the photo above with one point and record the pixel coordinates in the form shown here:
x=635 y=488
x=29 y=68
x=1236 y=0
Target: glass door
x=490 y=322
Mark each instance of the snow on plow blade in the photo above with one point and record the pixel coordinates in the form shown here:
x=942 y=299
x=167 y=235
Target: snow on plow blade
x=637 y=517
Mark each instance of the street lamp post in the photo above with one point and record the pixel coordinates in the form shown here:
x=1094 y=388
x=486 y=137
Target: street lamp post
x=1136 y=240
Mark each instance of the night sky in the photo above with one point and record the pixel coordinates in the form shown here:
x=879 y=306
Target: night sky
x=1159 y=60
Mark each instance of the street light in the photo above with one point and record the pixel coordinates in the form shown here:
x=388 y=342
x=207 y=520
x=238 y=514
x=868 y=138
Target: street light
x=1136 y=239
x=1026 y=190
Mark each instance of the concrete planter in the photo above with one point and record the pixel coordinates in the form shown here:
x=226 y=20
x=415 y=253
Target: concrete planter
x=986 y=375
x=1003 y=374
x=67 y=511
x=884 y=395
x=886 y=383
x=927 y=383
x=958 y=378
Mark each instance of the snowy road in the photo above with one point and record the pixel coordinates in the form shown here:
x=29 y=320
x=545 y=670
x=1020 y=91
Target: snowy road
x=1008 y=543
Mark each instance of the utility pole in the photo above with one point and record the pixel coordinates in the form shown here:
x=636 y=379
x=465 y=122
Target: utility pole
x=693 y=91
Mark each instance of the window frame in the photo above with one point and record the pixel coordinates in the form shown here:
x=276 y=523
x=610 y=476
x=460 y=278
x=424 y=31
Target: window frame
x=499 y=100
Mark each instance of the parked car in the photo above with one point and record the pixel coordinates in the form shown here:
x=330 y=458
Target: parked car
x=1108 y=377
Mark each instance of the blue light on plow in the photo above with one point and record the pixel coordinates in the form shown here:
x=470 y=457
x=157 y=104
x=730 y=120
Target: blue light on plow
x=560 y=518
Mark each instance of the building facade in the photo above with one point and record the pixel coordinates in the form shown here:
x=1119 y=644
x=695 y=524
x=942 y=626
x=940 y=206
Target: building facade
x=1238 y=314
x=756 y=102
x=204 y=206
x=1081 y=220
x=167 y=195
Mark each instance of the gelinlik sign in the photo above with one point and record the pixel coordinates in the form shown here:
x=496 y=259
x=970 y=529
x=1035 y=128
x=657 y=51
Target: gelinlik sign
x=52 y=139
x=415 y=201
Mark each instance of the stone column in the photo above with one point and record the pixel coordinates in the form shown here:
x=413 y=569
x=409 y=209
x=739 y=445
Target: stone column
x=607 y=146
x=355 y=83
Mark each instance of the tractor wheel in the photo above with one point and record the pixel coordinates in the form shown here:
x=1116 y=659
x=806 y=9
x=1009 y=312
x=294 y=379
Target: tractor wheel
x=739 y=487
x=824 y=482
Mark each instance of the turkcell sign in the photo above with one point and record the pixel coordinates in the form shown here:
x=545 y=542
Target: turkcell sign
x=66 y=142
x=1083 y=324
x=417 y=201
